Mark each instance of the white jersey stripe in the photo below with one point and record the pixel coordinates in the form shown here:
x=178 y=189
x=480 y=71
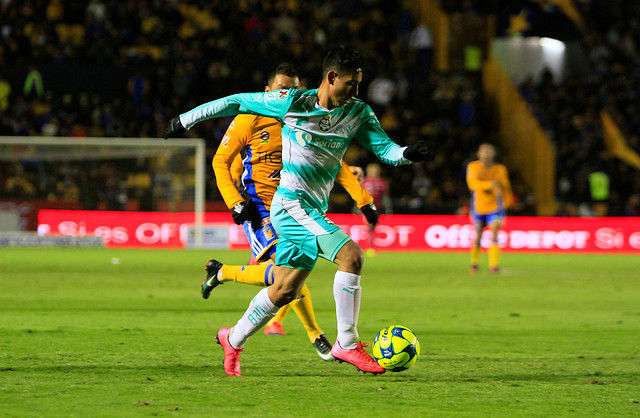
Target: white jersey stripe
x=295 y=210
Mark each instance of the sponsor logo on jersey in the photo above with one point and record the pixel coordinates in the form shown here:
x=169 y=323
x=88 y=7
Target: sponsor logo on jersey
x=326 y=143
x=264 y=137
x=273 y=157
x=282 y=93
x=325 y=123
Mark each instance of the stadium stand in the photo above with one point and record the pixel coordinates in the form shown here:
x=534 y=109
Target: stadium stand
x=136 y=64
x=139 y=62
x=570 y=111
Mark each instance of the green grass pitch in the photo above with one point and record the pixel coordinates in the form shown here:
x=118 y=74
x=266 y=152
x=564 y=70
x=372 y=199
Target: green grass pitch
x=553 y=335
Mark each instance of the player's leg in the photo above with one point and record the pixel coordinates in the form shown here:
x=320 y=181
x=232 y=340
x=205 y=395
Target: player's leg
x=494 y=249
x=262 y=308
x=346 y=292
x=478 y=225
x=218 y=273
x=274 y=326
x=340 y=249
x=265 y=305
x=294 y=265
x=313 y=235
x=303 y=308
x=305 y=234
x=263 y=241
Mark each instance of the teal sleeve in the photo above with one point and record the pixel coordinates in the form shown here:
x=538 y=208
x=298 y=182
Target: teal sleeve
x=374 y=138
x=273 y=104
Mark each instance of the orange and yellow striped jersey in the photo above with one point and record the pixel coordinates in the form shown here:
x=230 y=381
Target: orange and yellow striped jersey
x=485 y=198
x=260 y=141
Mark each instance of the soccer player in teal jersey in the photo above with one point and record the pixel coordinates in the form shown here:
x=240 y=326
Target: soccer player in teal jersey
x=317 y=127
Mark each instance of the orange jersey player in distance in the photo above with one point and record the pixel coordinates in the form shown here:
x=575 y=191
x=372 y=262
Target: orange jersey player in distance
x=490 y=189
x=251 y=150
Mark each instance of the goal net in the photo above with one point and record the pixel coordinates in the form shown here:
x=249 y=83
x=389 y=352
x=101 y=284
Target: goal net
x=121 y=174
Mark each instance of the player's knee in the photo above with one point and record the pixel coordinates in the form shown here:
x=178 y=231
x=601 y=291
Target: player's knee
x=283 y=295
x=354 y=260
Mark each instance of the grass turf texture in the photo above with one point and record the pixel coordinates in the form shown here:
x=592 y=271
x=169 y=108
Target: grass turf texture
x=551 y=335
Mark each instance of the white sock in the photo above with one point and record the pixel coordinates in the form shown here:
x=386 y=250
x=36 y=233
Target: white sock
x=346 y=292
x=260 y=311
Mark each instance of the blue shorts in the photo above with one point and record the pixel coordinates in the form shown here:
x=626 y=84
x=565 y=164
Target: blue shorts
x=488 y=218
x=304 y=234
x=262 y=238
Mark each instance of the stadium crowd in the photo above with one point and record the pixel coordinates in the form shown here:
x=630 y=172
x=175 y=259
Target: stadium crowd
x=158 y=58
x=570 y=111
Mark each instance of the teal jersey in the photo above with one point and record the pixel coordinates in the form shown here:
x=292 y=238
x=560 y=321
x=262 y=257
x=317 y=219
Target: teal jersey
x=314 y=139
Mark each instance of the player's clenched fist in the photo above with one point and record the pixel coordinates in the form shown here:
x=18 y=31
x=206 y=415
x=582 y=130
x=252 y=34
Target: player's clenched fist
x=370 y=212
x=174 y=128
x=241 y=213
x=417 y=152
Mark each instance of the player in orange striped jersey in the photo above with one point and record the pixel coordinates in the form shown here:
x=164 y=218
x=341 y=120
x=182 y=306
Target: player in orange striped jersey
x=490 y=195
x=258 y=140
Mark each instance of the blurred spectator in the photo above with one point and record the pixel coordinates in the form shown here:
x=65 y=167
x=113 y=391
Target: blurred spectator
x=570 y=111
x=33 y=86
x=5 y=92
x=632 y=207
x=378 y=188
x=124 y=68
x=599 y=188
x=421 y=41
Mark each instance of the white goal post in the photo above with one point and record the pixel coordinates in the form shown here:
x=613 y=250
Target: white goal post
x=37 y=148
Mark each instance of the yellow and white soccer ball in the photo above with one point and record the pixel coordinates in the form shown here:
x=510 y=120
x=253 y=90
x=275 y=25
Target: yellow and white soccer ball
x=396 y=348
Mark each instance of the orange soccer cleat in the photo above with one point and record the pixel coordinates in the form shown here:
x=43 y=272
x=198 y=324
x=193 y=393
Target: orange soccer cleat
x=274 y=328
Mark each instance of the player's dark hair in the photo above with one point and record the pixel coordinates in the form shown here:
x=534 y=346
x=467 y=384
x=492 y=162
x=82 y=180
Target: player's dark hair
x=343 y=60
x=283 y=68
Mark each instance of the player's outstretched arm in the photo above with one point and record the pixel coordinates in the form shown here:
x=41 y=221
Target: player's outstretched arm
x=373 y=137
x=236 y=138
x=273 y=104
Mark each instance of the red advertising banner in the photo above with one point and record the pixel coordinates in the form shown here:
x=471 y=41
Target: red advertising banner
x=395 y=232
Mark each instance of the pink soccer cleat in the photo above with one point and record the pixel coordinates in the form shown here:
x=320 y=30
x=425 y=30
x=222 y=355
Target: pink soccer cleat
x=274 y=328
x=231 y=360
x=358 y=357
x=494 y=269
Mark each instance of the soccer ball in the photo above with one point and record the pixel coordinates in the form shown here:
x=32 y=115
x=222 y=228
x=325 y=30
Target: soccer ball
x=396 y=348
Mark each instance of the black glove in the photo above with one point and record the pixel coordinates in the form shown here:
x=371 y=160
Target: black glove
x=174 y=128
x=371 y=213
x=241 y=213
x=417 y=152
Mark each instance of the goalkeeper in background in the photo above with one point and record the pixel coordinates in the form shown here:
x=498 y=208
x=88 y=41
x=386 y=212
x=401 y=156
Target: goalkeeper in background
x=251 y=150
x=490 y=189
